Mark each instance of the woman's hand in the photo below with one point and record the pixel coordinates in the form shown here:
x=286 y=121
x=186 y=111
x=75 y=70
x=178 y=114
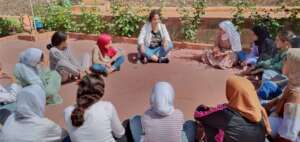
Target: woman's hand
x=243 y=64
x=108 y=65
x=165 y=44
x=215 y=50
x=220 y=55
x=271 y=104
x=142 y=48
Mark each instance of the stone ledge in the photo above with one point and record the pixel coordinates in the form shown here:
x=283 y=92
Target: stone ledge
x=116 y=39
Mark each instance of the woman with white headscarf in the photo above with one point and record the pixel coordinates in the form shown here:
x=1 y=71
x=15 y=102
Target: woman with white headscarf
x=27 y=123
x=227 y=45
x=29 y=71
x=162 y=122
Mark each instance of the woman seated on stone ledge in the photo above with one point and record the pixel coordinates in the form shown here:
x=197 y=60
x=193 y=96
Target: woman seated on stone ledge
x=227 y=45
x=154 y=42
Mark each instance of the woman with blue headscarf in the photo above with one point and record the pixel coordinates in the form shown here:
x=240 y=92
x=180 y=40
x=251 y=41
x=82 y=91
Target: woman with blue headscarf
x=29 y=71
x=28 y=123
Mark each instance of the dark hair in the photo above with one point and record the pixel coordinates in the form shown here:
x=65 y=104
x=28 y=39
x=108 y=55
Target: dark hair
x=90 y=91
x=295 y=42
x=57 y=38
x=153 y=13
x=286 y=35
x=262 y=33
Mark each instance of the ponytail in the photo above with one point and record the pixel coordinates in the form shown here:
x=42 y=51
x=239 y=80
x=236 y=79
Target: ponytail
x=57 y=38
x=90 y=91
x=49 y=46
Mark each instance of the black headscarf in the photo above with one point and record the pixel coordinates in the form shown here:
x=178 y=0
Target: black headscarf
x=261 y=33
x=295 y=42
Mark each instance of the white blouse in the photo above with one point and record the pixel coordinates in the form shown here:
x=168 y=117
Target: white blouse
x=31 y=130
x=145 y=34
x=101 y=124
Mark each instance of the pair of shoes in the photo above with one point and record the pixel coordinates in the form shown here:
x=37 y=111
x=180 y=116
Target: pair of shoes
x=142 y=60
x=163 y=60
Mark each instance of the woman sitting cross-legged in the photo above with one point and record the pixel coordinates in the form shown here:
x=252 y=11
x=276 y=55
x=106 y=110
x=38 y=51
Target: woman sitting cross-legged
x=273 y=66
x=162 y=122
x=91 y=119
x=27 y=123
x=106 y=59
x=63 y=61
x=154 y=42
x=263 y=47
x=241 y=120
x=285 y=110
x=31 y=70
x=227 y=46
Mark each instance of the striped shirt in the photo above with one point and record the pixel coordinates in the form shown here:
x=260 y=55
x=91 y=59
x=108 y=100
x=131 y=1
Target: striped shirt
x=162 y=128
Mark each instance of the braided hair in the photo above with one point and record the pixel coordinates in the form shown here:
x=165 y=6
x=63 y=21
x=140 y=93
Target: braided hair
x=90 y=91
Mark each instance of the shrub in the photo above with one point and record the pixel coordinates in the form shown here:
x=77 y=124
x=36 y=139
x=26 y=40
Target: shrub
x=90 y=22
x=4 y=27
x=126 y=21
x=238 y=17
x=56 y=17
x=273 y=25
x=8 y=26
x=292 y=19
x=191 y=19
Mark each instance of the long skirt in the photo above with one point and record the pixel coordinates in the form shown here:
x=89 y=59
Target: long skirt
x=52 y=84
x=224 y=62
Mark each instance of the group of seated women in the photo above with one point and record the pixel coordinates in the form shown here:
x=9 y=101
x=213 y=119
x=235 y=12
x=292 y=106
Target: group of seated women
x=271 y=66
x=243 y=118
x=250 y=115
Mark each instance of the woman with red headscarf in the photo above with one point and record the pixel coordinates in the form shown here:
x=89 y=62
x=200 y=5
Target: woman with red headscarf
x=106 y=59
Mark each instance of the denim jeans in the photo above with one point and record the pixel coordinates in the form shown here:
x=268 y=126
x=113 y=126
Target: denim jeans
x=188 y=133
x=159 y=51
x=98 y=68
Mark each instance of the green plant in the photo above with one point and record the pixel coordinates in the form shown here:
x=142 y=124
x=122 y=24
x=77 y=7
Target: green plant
x=4 y=27
x=273 y=25
x=292 y=19
x=126 y=21
x=8 y=26
x=56 y=17
x=238 y=16
x=190 y=18
x=90 y=22
x=15 y=25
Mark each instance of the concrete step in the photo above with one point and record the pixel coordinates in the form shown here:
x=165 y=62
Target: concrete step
x=96 y=2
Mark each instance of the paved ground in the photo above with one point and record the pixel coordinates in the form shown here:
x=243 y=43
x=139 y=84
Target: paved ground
x=129 y=89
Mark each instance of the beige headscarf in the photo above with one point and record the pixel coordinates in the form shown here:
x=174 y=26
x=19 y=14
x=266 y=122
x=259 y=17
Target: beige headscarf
x=242 y=97
x=292 y=92
x=293 y=66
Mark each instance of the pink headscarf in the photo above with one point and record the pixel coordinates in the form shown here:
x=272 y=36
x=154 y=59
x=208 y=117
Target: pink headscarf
x=102 y=41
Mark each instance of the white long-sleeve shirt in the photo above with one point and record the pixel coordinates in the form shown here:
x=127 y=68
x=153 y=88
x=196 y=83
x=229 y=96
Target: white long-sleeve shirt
x=145 y=34
x=101 y=124
x=31 y=130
